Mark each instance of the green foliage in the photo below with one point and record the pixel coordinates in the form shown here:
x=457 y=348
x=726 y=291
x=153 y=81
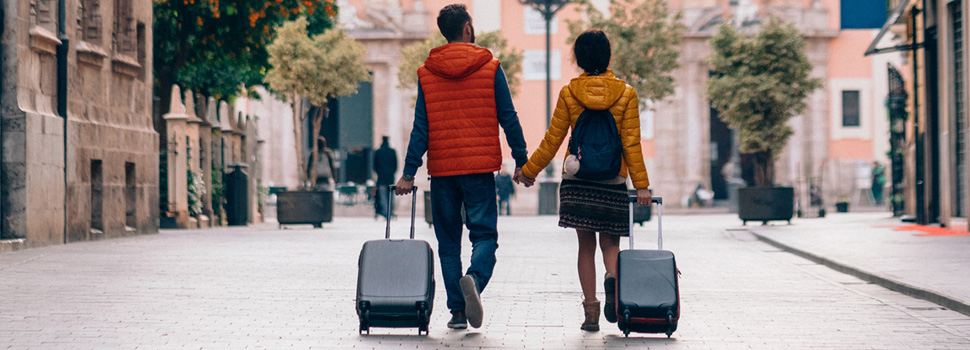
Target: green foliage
x=320 y=67
x=413 y=56
x=218 y=191
x=644 y=39
x=214 y=47
x=196 y=191
x=760 y=82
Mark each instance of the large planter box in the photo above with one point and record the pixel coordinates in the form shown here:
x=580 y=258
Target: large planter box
x=766 y=204
x=304 y=207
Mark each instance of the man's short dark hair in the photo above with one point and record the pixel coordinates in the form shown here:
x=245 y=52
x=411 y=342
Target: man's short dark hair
x=451 y=21
x=592 y=51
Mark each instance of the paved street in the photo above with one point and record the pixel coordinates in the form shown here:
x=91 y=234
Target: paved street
x=262 y=287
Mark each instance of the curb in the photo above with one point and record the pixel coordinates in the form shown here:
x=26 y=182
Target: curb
x=897 y=286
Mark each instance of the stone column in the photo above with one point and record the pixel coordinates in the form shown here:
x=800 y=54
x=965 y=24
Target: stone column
x=205 y=165
x=226 y=123
x=193 y=152
x=237 y=140
x=215 y=156
x=177 y=168
x=249 y=146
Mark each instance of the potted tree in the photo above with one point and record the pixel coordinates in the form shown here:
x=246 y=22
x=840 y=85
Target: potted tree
x=760 y=81
x=317 y=68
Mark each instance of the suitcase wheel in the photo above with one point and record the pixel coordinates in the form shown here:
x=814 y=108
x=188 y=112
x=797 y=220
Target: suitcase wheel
x=364 y=324
x=423 y=321
x=626 y=323
x=670 y=323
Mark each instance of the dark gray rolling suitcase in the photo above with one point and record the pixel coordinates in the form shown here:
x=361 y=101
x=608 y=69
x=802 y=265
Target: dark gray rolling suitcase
x=395 y=281
x=647 y=291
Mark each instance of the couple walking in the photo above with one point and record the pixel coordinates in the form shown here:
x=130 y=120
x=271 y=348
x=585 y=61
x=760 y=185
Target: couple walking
x=463 y=98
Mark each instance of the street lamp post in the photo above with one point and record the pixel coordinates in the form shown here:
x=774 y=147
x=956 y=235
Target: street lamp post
x=548 y=200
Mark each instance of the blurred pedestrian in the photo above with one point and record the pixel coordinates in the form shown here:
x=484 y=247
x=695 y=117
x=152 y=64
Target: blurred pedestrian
x=323 y=165
x=596 y=206
x=505 y=189
x=878 y=181
x=385 y=165
x=463 y=98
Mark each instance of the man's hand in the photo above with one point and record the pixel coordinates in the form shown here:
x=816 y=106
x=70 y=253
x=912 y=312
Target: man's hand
x=643 y=197
x=403 y=187
x=521 y=178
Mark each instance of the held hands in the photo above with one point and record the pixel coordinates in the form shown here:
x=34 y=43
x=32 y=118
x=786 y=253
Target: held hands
x=520 y=178
x=403 y=187
x=643 y=196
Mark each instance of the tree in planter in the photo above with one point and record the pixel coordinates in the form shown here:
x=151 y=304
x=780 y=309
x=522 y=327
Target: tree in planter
x=215 y=48
x=318 y=67
x=644 y=37
x=760 y=82
x=413 y=56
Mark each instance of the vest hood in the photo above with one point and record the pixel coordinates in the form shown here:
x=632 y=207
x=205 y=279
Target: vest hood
x=457 y=60
x=597 y=92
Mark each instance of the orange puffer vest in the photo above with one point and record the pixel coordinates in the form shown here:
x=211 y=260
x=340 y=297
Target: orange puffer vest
x=458 y=82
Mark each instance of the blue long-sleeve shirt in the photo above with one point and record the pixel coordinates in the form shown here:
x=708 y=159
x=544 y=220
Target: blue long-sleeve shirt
x=507 y=118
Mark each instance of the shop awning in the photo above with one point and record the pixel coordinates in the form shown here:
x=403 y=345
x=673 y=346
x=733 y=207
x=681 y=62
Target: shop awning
x=900 y=12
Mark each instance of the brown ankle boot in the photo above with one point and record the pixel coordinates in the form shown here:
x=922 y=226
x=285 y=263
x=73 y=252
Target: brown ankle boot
x=592 y=310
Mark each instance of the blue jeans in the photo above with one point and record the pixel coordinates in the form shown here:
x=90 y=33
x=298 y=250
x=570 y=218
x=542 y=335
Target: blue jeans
x=477 y=193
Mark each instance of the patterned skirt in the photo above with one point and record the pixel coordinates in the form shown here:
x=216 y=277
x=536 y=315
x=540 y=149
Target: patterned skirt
x=594 y=206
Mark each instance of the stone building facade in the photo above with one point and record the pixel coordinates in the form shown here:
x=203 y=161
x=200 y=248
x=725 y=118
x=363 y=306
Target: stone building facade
x=79 y=153
x=936 y=122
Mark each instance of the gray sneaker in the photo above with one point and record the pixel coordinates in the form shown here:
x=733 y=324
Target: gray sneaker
x=473 y=302
x=458 y=321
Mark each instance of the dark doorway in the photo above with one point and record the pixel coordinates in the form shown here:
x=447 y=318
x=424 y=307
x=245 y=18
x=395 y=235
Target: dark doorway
x=97 y=197
x=349 y=129
x=131 y=196
x=932 y=128
x=720 y=154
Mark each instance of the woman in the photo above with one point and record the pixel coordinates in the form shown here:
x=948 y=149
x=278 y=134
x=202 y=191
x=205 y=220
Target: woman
x=593 y=207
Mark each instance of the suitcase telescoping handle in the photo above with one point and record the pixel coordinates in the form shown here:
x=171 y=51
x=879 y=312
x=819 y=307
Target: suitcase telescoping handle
x=660 y=236
x=390 y=196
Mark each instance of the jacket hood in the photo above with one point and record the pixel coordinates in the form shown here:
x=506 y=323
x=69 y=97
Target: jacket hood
x=597 y=92
x=457 y=60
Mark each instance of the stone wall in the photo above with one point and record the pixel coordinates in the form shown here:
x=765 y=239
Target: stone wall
x=91 y=173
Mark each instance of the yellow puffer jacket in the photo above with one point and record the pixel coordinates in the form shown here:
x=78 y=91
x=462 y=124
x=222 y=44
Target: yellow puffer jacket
x=603 y=91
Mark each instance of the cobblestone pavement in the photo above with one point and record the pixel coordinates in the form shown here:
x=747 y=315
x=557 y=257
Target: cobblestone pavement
x=265 y=288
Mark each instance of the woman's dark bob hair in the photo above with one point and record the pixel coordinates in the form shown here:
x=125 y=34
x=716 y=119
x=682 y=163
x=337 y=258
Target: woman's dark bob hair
x=592 y=51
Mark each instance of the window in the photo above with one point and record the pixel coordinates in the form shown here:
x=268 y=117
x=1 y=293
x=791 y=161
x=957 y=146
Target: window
x=44 y=12
x=850 y=108
x=534 y=65
x=90 y=20
x=535 y=23
x=123 y=38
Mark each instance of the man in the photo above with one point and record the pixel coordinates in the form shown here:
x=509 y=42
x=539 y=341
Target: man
x=463 y=97
x=385 y=165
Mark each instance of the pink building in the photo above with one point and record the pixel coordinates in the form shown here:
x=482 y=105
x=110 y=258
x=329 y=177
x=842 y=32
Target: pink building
x=837 y=139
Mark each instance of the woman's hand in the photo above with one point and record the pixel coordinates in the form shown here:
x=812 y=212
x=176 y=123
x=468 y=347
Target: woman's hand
x=643 y=196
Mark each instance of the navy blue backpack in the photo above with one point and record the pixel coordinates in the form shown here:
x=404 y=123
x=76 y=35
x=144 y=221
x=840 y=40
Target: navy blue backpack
x=595 y=143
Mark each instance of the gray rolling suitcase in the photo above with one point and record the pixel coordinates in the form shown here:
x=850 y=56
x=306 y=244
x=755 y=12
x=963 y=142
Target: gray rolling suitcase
x=647 y=291
x=395 y=281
